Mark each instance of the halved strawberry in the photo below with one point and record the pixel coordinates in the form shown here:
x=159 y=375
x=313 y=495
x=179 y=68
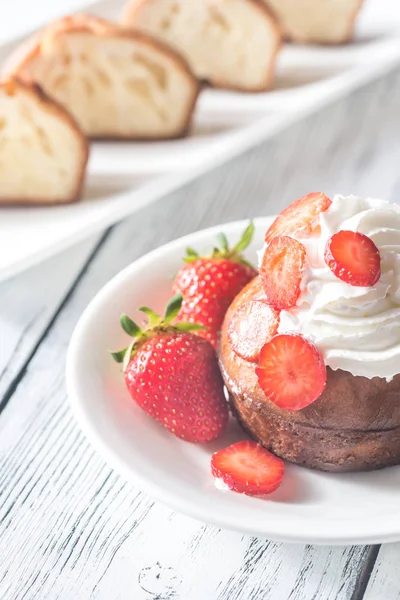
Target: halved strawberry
x=301 y=217
x=291 y=371
x=250 y=326
x=281 y=270
x=353 y=258
x=247 y=468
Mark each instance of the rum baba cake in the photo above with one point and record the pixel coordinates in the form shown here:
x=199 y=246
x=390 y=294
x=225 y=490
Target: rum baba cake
x=310 y=349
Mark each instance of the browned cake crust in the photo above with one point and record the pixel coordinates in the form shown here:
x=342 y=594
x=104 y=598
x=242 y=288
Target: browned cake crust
x=353 y=426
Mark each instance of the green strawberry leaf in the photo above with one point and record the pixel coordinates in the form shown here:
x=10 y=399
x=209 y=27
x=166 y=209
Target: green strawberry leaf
x=191 y=255
x=127 y=355
x=154 y=318
x=223 y=242
x=129 y=326
x=118 y=356
x=188 y=327
x=245 y=240
x=173 y=308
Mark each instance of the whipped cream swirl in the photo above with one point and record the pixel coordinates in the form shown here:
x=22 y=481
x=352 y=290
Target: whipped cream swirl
x=357 y=329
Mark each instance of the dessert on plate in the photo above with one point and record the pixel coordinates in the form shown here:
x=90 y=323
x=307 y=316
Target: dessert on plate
x=310 y=349
x=116 y=83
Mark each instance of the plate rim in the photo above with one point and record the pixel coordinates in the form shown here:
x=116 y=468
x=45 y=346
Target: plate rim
x=377 y=534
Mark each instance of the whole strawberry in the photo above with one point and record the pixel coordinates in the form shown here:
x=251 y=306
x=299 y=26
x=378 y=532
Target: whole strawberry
x=173 y=375
x=209 y=284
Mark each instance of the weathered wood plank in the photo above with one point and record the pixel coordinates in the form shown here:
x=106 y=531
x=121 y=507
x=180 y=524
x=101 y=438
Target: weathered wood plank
x=28 y=304
x=71 y=529
x=99 y=538
x=384 y=579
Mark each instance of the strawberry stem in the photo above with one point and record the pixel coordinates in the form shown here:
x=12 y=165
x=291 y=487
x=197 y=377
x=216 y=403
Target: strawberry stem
x=153 y=318
x=156 y=326
x=223 y=251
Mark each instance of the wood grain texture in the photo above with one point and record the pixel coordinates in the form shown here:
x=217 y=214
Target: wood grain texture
x=384 y=580
x=71 y=529
x=28 y=305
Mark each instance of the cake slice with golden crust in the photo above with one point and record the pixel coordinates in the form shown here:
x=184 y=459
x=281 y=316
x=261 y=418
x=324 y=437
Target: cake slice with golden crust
x=43 y=153
x=228 y=43
x=116 y=83
x=316 y=21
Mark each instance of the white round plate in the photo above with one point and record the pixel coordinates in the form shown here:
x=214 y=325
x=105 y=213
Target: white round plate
x=310 y=507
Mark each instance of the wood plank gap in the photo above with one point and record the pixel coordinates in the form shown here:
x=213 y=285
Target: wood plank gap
x=20 y=374
x=365 y=573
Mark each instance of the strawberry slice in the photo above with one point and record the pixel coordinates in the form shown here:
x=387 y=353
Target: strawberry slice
x=251 y=325
x=353 y=258
x=301 y=217
x=247 y=468
x=291 y=371
x=281 y=271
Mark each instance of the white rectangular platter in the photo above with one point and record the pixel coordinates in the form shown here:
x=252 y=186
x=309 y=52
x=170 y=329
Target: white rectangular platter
x=124 y=177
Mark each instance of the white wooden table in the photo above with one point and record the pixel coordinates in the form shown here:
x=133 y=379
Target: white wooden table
x=70 y=528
